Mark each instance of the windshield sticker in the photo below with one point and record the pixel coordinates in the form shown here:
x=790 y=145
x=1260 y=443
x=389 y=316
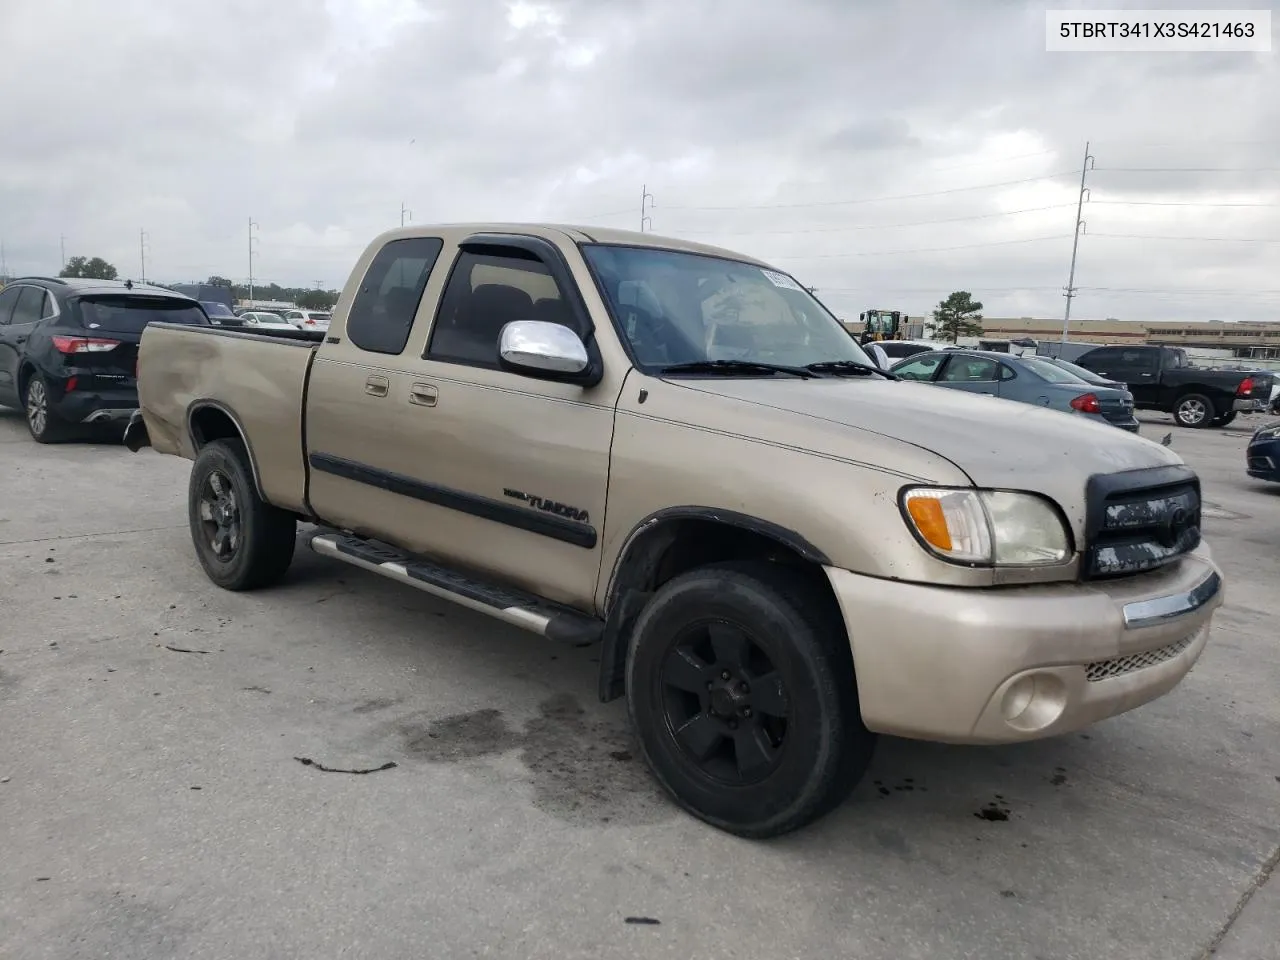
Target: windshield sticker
x=781 y=280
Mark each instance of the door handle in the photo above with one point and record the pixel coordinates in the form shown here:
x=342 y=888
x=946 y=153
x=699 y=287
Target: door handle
x=424 y=394
x=377 y=386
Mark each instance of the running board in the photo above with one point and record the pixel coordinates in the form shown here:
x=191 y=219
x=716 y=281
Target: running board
x=515 y=607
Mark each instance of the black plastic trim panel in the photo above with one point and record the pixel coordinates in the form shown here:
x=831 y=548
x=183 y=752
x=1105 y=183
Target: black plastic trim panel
x=556 y=528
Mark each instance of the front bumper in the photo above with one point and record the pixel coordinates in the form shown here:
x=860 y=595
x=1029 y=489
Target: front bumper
x=1022 y=663
x=1263 y=460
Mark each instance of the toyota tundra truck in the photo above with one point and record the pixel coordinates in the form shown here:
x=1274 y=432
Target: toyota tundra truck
x=677 y=452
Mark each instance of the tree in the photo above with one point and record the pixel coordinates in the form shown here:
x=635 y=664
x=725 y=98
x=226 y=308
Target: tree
x=957 y=316
x=316 y=299
x=95 y=269
x=216 y=281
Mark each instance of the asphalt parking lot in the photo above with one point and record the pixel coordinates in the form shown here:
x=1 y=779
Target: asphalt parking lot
x=153 y=803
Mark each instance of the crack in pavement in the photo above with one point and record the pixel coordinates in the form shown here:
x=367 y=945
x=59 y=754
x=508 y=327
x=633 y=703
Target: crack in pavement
x=88 y=536
x=1268 y=868
x=308 y=762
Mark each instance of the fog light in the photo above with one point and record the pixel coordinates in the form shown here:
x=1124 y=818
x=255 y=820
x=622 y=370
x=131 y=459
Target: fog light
x=1034 y=701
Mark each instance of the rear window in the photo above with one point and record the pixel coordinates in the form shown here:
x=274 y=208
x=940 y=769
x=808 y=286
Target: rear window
x=1050 y=371
x=132 y=314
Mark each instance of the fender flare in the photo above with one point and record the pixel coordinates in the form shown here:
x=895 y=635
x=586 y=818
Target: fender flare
x=197 y=442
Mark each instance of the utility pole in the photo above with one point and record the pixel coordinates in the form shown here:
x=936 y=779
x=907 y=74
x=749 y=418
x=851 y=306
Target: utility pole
x=62 y=242
x=252 y=240
x=1085 y=167
x=4 y=263
x=142 y=249
x=405 y=214
x=646 y=203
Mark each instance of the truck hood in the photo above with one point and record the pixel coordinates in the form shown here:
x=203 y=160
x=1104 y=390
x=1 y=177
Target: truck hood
x=996 y=443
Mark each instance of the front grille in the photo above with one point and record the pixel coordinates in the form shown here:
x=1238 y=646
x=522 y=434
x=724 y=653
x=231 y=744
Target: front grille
x=1119 y=666
x=1140 y=520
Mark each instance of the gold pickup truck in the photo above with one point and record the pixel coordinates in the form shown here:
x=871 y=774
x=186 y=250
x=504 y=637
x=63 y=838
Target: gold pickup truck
x=676 y=451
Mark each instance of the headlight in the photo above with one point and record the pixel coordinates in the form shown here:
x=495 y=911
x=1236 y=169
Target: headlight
x=1268 y=433
x=986 y=527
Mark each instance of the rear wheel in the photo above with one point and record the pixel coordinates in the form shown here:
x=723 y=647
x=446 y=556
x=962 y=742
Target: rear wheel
x=43 y=422
x=242 y=541
x=1194 y=410
x=740 y=684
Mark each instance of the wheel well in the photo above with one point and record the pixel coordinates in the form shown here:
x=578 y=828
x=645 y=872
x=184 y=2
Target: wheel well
x=209 y=423
x=664 y=550
x=24 y=374
x=212 y=423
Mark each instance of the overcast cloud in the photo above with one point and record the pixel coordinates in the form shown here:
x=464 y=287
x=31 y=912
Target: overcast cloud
x=749 y=121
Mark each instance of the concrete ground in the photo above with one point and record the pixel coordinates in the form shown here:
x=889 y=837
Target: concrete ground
x=153 y=803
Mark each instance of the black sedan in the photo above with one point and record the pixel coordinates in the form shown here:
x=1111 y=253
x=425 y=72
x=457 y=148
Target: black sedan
x=1264 y=453
x=69 y=348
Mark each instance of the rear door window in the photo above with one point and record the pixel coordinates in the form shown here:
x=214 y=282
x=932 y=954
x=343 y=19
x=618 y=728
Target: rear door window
x=382 y=312
x=30 y=306
x=8 y=298
x=113 y=314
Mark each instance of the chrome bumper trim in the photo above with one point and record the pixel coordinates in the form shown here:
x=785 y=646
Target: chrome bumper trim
x=1145 y=613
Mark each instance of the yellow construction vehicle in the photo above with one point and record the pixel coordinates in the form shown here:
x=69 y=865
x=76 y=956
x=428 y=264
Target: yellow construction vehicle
x=881 y=325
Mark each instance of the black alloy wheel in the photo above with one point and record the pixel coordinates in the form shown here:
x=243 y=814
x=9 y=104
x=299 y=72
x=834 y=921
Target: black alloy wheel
x=242 y=541
x=741 y=687
x=725 y=702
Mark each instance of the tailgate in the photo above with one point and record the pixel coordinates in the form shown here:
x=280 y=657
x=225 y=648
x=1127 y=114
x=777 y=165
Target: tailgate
x=207 y=379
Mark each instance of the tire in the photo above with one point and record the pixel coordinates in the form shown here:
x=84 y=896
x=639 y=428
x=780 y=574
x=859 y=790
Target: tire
x=242 y=541
x=1223 y=419
x=45 y=425
x=684 y=642
x=1194 y=410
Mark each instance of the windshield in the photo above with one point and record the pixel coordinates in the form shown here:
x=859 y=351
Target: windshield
x=1050 y=371
x=131 y=314
x=676 y=308
x=217 y=309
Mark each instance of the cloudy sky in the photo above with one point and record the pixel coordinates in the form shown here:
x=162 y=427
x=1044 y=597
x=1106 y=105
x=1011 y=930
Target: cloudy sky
x=884 y=152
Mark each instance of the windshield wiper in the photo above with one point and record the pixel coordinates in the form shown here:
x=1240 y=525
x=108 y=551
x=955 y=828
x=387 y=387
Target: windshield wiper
x=731 y=367
x=848 y=368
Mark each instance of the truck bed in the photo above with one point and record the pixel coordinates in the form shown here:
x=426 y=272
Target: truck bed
x=197 y=377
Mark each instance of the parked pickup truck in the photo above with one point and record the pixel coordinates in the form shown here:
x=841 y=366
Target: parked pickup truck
x=677 y=452
x=1162 y=378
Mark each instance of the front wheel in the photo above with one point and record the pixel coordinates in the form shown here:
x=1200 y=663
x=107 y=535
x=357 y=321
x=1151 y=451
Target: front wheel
x=242 y=541
x=1194 y=410
x=740 y=684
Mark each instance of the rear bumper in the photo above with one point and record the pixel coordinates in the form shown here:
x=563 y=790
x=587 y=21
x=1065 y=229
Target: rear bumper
x=1014 y=664
x=97 y=406
x=1255 y=405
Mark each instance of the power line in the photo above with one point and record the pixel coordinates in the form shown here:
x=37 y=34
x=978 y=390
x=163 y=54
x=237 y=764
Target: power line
x=1143 y=236
x=1179 y=203
x=890 y=253
x=1188 y=169
x=875 y=226
x=902 y=196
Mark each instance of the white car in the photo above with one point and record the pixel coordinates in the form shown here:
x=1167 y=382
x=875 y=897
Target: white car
x=308 y=319
x=263 y=320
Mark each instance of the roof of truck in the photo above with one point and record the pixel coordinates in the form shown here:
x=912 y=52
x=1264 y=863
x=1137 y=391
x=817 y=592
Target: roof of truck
x=579 y=233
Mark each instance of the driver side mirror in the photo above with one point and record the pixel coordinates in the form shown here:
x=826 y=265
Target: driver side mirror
x=546 y=351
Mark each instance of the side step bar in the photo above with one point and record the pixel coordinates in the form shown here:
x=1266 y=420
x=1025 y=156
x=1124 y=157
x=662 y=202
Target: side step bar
x=502 y=603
